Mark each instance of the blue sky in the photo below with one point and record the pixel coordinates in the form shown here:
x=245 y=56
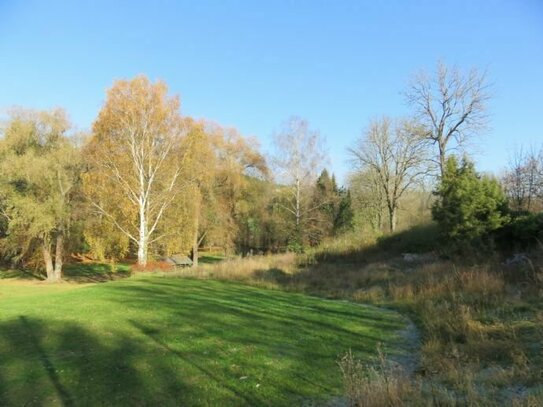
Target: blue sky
x=252 y=64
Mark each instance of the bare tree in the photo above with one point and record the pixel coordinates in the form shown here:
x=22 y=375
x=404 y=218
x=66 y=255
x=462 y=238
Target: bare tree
x=451 y=105
x=395 y=154
x=523 y=180
x=368 y=196
x=298 y=158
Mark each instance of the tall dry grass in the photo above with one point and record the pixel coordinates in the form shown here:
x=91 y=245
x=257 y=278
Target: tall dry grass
x=379 y=385
x=270 y=271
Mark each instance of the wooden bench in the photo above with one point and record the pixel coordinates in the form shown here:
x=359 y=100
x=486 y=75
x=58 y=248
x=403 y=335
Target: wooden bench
x=178 y=261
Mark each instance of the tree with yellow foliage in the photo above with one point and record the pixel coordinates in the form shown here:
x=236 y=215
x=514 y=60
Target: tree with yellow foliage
x=221 y=161
x=39 y=176
x=135 y=158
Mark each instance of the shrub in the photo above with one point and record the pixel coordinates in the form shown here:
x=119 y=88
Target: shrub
x=154 y=266
x=523 y=232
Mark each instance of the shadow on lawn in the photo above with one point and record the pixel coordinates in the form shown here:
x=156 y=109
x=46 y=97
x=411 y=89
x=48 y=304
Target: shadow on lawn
x=210 y=258
x=154 y=335
x=20 y=274
x=75 y=272
x=284 y=341
x=64 y=364
x=95 y=272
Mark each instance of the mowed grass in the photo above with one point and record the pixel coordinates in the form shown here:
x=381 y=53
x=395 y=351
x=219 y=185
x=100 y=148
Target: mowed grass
x=152 y=340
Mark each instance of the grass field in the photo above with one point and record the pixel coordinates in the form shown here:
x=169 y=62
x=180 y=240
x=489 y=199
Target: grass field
x=151 y=340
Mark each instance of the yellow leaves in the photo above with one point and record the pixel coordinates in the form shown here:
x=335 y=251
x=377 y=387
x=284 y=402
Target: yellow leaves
x=138 y=105
x=104 y=239
x=136 y=161
x=155 y=174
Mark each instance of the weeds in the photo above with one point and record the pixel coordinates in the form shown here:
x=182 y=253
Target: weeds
x=383 y=384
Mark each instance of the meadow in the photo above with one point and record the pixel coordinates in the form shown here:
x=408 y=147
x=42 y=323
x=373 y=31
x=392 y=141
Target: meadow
x=348 y=323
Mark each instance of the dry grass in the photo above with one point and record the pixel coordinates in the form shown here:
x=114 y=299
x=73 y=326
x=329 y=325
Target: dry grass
x=382 y=385
x=267 y=271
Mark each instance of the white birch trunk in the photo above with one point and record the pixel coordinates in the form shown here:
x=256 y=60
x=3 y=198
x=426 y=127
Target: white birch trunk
x=143 y=238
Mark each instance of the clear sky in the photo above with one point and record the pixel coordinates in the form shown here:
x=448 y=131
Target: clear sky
x=252 y=64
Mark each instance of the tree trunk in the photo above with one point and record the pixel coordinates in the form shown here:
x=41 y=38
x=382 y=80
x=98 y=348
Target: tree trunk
x=298 y=209
x=195 y=243
x=380 y=219
x=195 y=252
x=48 y=262
x=142 y=252
x=392 y=218
x=441 y=159
x=59 y=253
x=142 y=241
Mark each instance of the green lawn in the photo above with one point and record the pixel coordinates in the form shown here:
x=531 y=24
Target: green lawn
x=162 y=341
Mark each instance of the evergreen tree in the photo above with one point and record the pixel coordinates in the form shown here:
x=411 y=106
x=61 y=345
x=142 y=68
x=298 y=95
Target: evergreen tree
x=334 y=213
x=470 y=206
x=344 y=216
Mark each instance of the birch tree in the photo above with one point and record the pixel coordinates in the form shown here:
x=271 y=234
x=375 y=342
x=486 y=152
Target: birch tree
x=134 y=160
x=395 y=154
x=451 y=105
x=298 y=159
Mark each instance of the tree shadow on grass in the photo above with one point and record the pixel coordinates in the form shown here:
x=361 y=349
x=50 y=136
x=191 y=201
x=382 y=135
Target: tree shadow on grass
x=20 y=275
x=29 y=331
x=154 y=334
x=94 y=272
x=54 y=363
x=286 y=342
x=210 y=259
x=77 y=272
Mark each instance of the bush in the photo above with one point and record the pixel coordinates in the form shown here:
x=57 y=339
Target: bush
x=295 y=246
x=523 y=232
